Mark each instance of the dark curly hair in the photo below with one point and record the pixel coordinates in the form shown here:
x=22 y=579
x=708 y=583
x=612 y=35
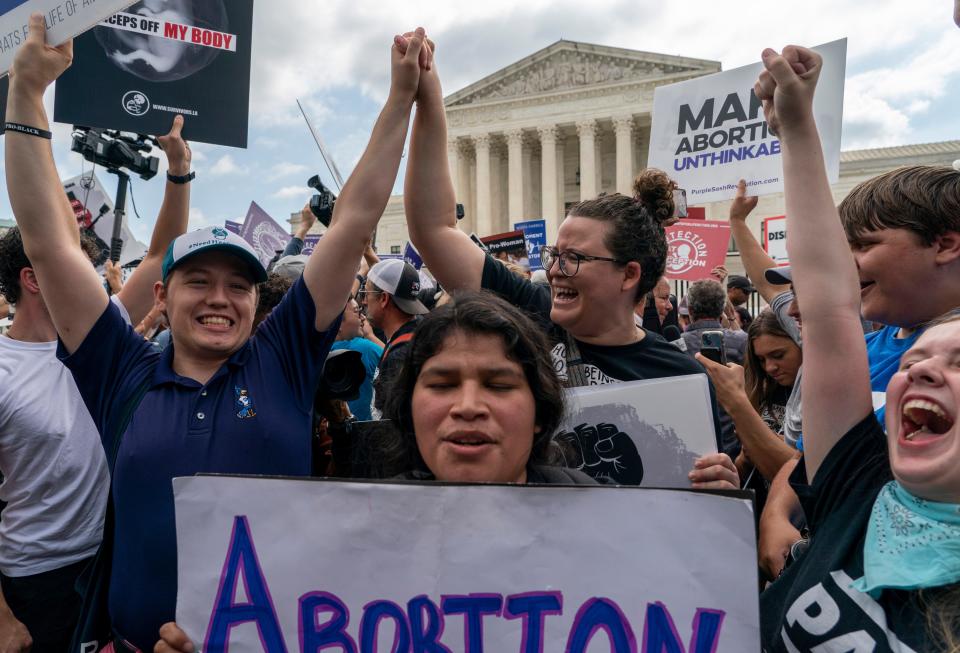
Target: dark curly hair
x=475 y=313
x=271 y=292
x=13 y=259
x=637 y=233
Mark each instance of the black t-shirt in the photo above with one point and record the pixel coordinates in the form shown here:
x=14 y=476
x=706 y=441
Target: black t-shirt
x=812 y=606
x=393 y=354
x=651 y=358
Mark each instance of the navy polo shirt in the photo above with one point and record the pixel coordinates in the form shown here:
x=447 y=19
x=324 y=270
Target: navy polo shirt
x=252 y=417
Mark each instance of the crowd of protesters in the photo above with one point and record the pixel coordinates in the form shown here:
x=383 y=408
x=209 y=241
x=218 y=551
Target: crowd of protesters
x=207 y=361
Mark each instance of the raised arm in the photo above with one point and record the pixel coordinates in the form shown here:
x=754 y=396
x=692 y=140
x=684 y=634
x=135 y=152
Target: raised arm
x=755 y=260
x=332 y=267
x=429 y=199
x=824 y=272
x=137 y=294
x=71 y=287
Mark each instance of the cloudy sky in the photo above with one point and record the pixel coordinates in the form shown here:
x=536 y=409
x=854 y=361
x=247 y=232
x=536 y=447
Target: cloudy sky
x=903 y=75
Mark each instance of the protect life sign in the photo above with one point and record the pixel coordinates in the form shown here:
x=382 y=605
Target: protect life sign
x=64 y=19
x=274 y=565
x=708 y=133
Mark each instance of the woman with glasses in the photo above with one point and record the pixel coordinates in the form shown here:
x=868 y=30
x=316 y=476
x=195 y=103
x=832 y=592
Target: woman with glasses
x=610 y=252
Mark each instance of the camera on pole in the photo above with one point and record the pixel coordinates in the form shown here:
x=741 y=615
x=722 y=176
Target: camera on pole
x=321 y=204
x=116 y=150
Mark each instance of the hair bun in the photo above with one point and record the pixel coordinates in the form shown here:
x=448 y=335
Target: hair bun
x=654 y=189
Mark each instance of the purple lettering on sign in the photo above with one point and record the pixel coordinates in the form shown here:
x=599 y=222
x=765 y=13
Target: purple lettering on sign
x=242 y=560
x=533 y=608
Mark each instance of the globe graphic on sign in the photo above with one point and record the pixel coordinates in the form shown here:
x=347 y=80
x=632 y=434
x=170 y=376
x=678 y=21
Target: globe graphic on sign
x=158 y=59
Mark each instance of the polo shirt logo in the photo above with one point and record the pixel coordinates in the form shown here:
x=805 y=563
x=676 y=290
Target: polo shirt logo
x=245 y=408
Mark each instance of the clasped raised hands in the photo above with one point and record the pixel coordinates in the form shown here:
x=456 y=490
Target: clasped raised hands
x=37 y=64
x=428 y=84
x=409 y=56
x=787 y=85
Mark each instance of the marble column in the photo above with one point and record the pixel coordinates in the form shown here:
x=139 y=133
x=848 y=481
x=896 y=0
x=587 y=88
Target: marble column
x=514 y=175
x=587 y=131
x=453 y=156
x=484 y=190
x=548 y=179
x=623 y=128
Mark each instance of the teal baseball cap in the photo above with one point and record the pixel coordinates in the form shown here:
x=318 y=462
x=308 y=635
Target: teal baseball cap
x=212 y=239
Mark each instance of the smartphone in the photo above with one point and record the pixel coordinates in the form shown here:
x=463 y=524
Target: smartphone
x=711 y=346
x=680 y=203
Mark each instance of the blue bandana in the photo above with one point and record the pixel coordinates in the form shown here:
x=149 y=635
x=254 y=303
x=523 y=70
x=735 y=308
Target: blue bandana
x=911 y=543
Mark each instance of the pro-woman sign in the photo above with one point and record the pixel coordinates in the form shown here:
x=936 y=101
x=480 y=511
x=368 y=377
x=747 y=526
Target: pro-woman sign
x=272 y=565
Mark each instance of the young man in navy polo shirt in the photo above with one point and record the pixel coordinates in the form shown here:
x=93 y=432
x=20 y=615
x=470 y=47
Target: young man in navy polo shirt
x=217 y=400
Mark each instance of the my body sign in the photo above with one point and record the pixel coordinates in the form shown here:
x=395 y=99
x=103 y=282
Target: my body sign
x=305 y=565
x=709 y=132
x=64 y=18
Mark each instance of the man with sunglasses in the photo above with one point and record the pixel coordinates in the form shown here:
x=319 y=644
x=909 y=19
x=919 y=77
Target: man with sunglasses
x=390 y=297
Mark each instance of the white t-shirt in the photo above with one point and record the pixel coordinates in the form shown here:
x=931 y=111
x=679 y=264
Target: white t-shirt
x=55 y=477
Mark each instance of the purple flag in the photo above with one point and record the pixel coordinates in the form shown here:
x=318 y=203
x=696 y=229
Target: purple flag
x=230 y=225
x=309 y=243
x=264 y=233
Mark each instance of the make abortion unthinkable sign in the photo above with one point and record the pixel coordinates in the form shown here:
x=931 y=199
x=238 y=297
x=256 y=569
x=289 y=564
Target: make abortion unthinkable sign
x=64 y=18
x=283 y=565
x=708 y=133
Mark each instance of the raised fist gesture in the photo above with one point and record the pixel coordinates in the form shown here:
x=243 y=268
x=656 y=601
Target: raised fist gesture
x=37 y=65
x=177 y=150
x=787 y=85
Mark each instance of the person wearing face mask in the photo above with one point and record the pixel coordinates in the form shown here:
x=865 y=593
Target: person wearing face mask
x=610 y=252
x=881 y=571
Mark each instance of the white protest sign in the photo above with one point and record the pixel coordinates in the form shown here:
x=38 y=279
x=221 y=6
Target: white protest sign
x=64 y=19
x=93 y=208
x=775 y=239
x=645 y=433
x=708 y=133
x=271 y=565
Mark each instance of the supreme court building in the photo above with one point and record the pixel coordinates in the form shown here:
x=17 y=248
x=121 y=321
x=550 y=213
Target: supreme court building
x=573 y=120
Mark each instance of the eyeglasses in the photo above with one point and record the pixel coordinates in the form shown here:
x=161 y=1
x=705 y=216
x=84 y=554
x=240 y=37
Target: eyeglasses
x=362 y=295
x=569 y=261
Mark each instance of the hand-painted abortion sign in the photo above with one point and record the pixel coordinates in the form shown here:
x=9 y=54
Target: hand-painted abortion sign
x=64 y=19
x=646 y=433
x=535 y=233
x=93 y=209
x=775 y=239
x=709 y=132
x=510 y=246
x=139 y=68
x=274 y=565
x=264 y=233
x=695 y=248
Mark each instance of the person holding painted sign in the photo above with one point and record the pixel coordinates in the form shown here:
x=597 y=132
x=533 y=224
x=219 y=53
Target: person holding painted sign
x=156 y=412
x=882 y=569
x=477 y=399
x=609 y=254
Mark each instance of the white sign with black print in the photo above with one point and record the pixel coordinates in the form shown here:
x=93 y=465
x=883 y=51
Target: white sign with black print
x=64 y=19
x=646 y=433
x=308 y=565
x=709 y=133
